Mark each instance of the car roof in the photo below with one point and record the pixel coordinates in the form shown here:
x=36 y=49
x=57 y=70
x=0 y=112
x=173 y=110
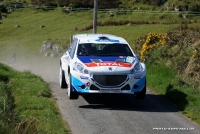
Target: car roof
x=99 y=38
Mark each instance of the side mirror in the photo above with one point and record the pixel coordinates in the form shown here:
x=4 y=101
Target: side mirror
x=71 y=39
x=138 y=57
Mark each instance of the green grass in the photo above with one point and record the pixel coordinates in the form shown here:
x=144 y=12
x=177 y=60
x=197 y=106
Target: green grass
x=5 y=106
x=59 y=26
x=27 y=104
x=27 y=40
x=162 y=80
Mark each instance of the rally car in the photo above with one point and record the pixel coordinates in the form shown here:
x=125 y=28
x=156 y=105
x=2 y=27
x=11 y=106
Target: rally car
x=101 y=63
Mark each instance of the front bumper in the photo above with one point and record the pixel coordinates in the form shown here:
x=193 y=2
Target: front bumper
x=97 y=83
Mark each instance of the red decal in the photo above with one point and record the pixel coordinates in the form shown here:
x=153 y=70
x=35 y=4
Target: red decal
x=92 y=64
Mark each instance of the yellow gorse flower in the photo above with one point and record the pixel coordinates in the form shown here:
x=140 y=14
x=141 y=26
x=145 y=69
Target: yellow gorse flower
x=152 y=40
x=195 y=53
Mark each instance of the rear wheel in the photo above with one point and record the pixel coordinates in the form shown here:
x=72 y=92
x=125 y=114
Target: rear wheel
x=142 y=94
x=71 y=94
x=63 y=83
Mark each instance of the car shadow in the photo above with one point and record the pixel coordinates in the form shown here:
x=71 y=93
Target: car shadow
x=127 y=102
x=176 y=96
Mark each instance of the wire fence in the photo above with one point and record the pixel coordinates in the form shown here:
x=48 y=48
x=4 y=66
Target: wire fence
x=114 y=11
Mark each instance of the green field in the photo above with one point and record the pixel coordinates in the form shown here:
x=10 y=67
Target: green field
x=27 y=39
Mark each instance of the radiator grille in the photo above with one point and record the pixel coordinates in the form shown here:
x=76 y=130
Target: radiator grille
x=110 y=80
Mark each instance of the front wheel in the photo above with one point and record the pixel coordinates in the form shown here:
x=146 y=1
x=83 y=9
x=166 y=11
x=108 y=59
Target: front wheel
x=63 y=83
x=71 y=94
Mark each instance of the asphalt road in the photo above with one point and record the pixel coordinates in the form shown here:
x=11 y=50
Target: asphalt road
x=112 y=113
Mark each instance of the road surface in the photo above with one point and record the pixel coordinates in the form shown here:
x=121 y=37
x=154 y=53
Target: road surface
x=111 y=114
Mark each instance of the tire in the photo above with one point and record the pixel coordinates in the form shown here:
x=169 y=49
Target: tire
x=142 y=94
x=63 y=83
x=71 y=95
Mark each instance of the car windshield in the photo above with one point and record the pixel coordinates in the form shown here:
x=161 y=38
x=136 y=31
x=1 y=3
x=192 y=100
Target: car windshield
x=115 y=49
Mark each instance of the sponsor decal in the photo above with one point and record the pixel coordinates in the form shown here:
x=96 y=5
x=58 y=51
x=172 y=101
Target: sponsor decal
x=92 y=64
x=130 y=59
x=138 y=76
x=84 y=77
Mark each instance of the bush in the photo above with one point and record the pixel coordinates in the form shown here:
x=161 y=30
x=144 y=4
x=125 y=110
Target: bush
x=180 y=50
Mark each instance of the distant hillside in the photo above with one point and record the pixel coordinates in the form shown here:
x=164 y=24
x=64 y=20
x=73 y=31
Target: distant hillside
x=169 y=5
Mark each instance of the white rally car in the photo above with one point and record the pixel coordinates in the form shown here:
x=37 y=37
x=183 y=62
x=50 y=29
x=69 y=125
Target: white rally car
x=101 y=63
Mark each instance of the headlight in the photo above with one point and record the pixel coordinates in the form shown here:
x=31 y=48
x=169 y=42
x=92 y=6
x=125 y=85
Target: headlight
x=137 y=68
x=80 y=68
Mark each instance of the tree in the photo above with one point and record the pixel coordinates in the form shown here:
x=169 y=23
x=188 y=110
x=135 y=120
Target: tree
x=44 y=2
x=109 y=3
x=62 y=3
x=101 y=3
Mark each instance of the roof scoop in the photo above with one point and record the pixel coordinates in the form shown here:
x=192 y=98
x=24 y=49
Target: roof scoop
x=103 y=37
x=96 y=60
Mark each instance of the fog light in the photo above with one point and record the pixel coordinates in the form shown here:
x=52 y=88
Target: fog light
x=88 y=84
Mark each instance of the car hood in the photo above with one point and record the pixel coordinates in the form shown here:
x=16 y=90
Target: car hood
x=108 y=63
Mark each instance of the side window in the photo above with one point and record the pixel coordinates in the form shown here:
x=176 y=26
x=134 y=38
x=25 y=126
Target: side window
x=73 y=48
x=70 y=48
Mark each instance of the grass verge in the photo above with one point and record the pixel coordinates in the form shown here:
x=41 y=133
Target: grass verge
x=163 y=81
x=27 y=104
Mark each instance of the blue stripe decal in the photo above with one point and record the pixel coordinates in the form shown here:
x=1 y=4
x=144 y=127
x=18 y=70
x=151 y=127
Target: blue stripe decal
x=140 y=83
x=87 y=59
x=76 y=83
